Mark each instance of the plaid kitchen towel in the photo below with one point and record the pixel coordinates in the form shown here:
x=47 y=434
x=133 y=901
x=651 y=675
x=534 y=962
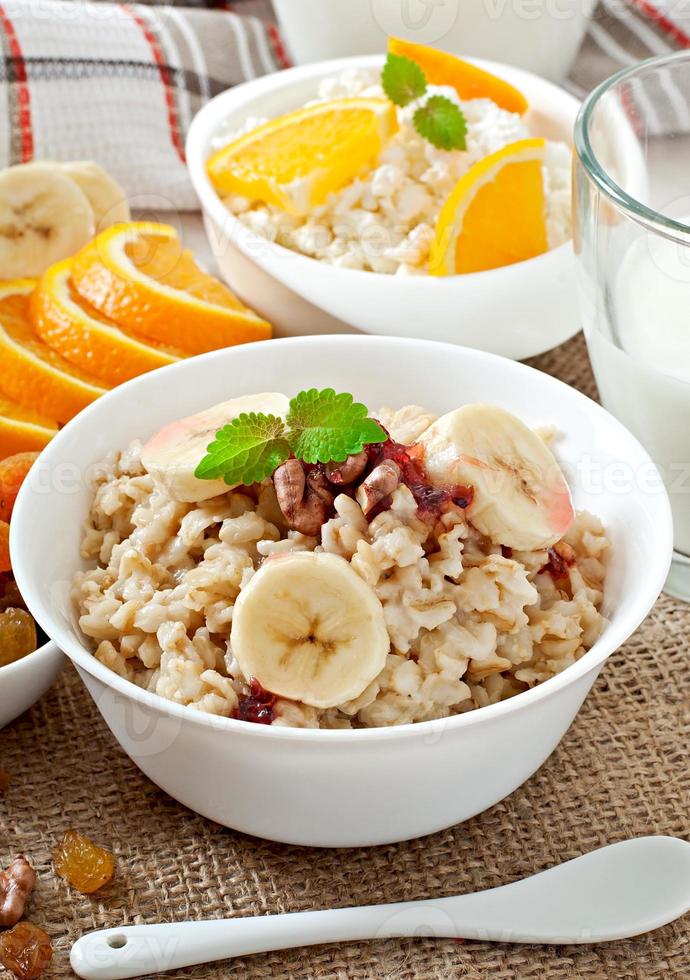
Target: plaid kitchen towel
x=120 y=83
x=623 y=32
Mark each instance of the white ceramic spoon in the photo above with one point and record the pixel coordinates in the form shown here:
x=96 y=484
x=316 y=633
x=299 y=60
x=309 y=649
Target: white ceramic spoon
x=618 y=891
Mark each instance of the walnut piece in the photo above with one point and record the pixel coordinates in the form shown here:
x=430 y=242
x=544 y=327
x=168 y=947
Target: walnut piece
x=381 y=482
x=304 y=498
x=349 y=470
x=16 y=884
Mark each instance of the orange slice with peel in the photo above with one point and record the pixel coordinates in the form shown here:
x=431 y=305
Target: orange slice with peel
x=21 y=430
x=13 y=471
x=140 y=277
x=469 y=81
x=33 y=375
x=496 y=213
x=85 y=338
x=297 y=160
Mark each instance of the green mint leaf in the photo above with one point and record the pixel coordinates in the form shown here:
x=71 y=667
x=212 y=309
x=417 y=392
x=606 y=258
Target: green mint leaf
x=442 y=123
x=247 y=450
x=327 y=428
x=402 y=79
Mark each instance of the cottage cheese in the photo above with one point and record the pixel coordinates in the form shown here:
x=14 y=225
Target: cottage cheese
x=384 y=221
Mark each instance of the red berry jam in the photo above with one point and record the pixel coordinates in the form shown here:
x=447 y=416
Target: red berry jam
x=257 y=706
x=561 y=558
x=431 y=501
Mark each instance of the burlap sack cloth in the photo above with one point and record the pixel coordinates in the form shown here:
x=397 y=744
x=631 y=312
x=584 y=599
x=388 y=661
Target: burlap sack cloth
x=621 y=771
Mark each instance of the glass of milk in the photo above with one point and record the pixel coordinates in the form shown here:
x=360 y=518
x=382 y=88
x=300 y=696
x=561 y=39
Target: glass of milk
x=542 y=36
x=632 y=241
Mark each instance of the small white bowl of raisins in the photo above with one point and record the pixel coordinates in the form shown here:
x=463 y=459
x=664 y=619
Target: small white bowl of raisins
x=29 y=662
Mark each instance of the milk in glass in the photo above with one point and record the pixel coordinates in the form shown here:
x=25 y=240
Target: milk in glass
x=642 y=363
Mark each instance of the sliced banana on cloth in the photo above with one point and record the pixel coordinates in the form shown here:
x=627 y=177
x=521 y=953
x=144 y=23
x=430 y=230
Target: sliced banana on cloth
x=106 y=197
x=308 y=628
x=521 y=498
x=49 y=210
x=44 y=217
x=173 y=454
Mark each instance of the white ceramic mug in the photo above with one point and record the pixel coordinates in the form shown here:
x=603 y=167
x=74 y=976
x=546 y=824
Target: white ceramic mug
x=542 y=36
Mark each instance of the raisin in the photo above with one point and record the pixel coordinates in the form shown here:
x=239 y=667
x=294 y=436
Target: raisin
x=5 y=563
x=83 y=864
x=257 y=706
x=25 y=950
x=13 y=472
x=9 y=593
x=17 y=635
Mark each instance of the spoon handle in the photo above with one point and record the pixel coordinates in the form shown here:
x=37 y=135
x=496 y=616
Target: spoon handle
x=618 y=891
x=132 y=951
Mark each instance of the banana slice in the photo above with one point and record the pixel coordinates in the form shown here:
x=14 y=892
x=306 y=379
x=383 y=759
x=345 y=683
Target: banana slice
x=173 y=454
x=307 y=627
x=44 y=217
x=105 y=195
x=521 y=498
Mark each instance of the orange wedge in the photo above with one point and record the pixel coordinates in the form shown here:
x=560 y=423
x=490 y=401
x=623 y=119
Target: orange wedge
x=77 y=332
x=22 y=431
x=496 y=213
x=139 y=276
x=297 y=160
x=32 y=374
x=468 y=81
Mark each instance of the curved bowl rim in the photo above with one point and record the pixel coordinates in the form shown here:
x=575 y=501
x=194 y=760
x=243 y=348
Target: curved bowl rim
x=212 y=204
x=650 y=586
x=49 y=648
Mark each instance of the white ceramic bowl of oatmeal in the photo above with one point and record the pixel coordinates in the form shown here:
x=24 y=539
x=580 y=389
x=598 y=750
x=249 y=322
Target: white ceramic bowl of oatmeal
x=518 y=310
x=342 y=786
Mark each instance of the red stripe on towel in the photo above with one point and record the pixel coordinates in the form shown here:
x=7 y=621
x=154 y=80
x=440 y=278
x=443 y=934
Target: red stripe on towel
x=278 y=46
x=164 y=72
x=630 y=109
x=26 y=137
x=664 y=22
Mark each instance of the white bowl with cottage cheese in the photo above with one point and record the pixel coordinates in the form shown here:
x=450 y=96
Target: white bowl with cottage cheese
x=343 y=786
x=359 y=264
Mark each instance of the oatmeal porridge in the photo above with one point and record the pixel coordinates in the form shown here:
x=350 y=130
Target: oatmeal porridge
x=413 y=579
